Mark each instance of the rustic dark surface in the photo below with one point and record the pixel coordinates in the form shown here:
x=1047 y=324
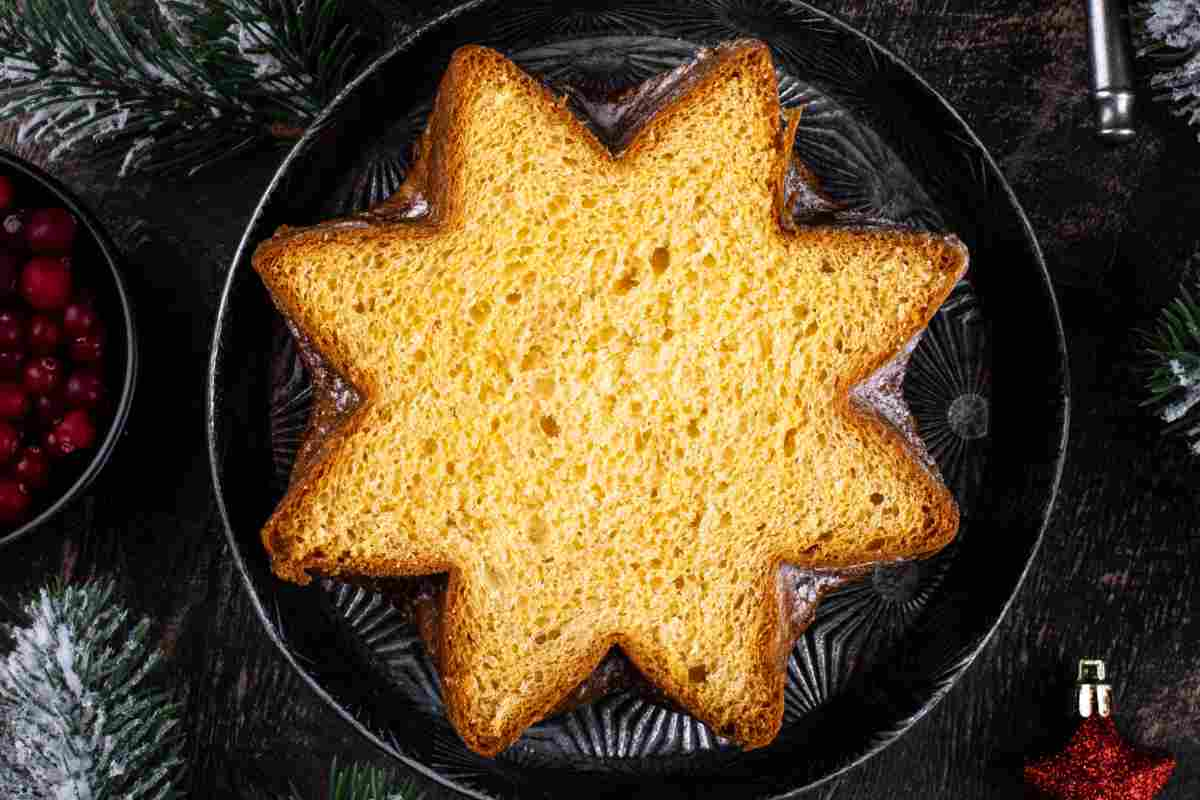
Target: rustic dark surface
x=1117 y=576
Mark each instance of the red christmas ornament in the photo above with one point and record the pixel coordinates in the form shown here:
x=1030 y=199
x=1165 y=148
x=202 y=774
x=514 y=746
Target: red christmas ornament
x=1098 y=764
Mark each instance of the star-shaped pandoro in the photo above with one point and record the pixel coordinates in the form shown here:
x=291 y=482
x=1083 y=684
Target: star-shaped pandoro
x=609 y=394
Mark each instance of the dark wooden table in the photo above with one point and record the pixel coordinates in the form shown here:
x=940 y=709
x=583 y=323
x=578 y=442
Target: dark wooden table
x=1117 y=576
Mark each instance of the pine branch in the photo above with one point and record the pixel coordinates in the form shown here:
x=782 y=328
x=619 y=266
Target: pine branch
x=79 y=714
x=366 y=782
x=1168 y=32
x=356 y=781
x=1172 y=370
x=184 y=85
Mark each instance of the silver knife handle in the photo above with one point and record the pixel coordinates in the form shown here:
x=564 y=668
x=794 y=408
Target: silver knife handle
x=1111 y=72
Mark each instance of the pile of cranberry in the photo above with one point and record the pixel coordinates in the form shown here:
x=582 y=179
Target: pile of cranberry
x=51 y=349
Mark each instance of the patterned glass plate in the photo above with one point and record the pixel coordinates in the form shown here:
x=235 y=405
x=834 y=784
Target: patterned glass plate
x=986 y=385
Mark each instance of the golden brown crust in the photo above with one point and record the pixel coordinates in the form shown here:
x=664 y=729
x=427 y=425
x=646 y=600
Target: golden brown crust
x=423 y=600
x=458 y=694
x=315 y=529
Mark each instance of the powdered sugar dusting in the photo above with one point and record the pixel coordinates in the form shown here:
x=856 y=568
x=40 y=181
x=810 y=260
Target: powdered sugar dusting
x=883 y=393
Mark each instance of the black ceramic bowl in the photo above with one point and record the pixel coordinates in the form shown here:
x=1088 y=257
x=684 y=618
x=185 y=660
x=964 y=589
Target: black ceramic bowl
x=97 y=269
x=988 y=386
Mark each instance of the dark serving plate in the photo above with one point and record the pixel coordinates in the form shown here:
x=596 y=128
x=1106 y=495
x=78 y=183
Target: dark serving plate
x=97 y=265
x=988 y=386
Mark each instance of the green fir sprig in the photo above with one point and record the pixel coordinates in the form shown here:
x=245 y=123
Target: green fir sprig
x=174 y=85
x=358 y=781
x=81 y=716
x=1168 y=33
x=367 y=782
x=1172 y=351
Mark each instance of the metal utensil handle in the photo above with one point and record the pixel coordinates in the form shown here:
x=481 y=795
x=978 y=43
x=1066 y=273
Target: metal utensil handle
x=1111 y=72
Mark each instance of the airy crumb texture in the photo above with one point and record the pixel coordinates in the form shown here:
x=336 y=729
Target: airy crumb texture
x=608 y=394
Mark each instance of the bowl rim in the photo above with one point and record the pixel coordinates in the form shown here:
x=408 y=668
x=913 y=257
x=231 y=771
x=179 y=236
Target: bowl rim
x=112 y=259
x=965 y=659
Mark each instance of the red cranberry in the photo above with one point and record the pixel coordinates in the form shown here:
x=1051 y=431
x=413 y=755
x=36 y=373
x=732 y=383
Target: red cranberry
x=83 y=389
x=12 y=231
x=50 y=230
x=10 y=270
x=87 y=349
x=8 y=193
x=11 y=362
x=44 y=334
x=14 y=500
x=10 y=441
x=49 y=408
x=46 y=282
x=12 y=330
x=43 y=375
x=75 y=431
x=14 y=402
x=32 y=467
x=79 y=319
